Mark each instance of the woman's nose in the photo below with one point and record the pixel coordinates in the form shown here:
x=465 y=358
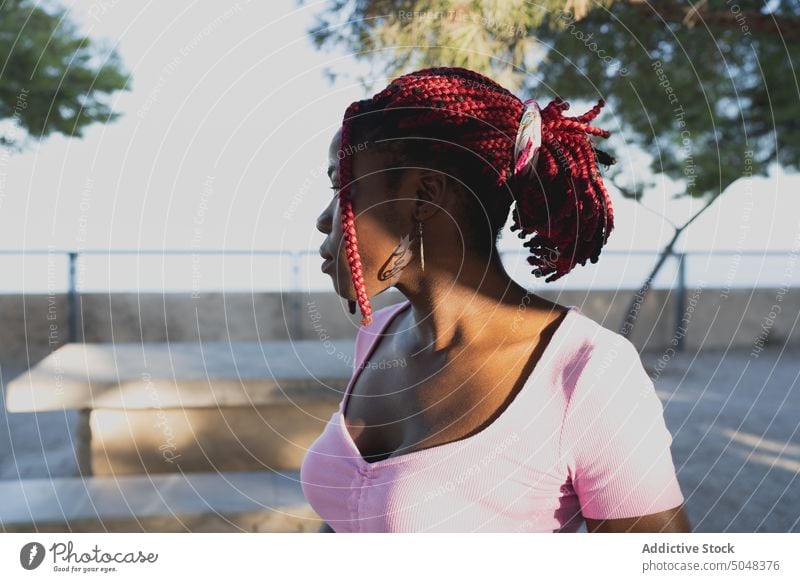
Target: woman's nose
x=324 y=221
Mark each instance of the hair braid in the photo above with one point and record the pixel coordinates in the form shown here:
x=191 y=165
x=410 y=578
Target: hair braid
x=348 y=218
x=451 y=113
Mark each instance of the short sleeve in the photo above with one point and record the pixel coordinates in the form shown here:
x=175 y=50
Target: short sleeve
x=614 y=440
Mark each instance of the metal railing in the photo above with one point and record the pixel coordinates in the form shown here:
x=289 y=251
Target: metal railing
x=679 y=284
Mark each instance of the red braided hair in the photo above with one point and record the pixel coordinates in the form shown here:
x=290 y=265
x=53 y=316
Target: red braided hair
x=564 y=205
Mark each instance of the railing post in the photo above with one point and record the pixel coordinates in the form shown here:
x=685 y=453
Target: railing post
x=72 y=299
x=680 y=301
x=296 y=294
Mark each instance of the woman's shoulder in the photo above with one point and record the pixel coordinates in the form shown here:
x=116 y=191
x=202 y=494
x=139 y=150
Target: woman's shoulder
x=599 y=359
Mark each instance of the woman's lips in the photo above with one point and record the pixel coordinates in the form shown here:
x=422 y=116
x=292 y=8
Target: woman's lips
x=325 y=255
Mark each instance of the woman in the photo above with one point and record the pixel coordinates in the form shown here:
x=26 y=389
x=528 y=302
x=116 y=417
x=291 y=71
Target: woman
x=475 y=404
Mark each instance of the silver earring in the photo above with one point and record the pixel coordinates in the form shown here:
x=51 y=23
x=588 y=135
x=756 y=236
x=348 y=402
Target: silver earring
x=421 y=247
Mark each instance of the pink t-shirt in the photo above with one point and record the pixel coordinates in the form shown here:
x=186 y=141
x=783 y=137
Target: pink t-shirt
x=585 y=436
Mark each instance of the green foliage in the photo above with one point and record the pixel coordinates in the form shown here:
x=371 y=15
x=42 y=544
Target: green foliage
x=707 y=89
x=710 y=105
x=52 y=79
x=490 y=36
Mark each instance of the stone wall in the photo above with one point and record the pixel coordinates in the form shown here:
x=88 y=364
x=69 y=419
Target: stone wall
x=34 y=325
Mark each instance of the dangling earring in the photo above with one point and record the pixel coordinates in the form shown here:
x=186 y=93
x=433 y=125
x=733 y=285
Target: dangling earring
x=421 y=246
x=352 y=306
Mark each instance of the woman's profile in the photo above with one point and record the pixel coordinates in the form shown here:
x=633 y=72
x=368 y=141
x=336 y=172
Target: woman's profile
x=476 y=405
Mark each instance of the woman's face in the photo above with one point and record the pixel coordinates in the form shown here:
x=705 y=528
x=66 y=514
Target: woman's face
x=383 y=202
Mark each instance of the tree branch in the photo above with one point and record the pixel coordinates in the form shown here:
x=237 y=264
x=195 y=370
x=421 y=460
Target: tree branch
x=748 y=21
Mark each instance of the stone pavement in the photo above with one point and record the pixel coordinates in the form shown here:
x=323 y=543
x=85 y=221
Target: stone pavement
x=735 y=422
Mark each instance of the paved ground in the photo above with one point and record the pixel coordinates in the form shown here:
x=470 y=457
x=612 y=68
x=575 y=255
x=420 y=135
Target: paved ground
x=735 y=421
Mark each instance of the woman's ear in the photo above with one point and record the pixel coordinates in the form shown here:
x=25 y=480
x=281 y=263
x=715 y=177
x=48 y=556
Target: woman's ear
x=431 y=193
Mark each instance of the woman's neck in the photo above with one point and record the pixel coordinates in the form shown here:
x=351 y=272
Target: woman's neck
x=454 y=309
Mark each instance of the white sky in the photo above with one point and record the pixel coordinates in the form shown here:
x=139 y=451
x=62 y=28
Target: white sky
x=229 y=109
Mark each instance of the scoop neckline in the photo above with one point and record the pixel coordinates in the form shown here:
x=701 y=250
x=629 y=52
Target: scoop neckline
x=532 y=379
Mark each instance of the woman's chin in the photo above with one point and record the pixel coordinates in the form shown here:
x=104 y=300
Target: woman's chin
x=337 y=288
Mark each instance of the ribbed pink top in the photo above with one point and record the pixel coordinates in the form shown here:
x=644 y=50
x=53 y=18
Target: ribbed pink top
x=585 y=436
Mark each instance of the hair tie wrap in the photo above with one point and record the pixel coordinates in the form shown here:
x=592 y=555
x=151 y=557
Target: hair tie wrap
x=529 y=138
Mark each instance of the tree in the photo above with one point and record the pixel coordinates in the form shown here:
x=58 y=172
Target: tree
x=706 y=88
x=710 y=101
x=52 y=79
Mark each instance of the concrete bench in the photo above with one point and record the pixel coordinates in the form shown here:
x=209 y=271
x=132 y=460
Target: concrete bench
x=257 y=501
x=171 y=407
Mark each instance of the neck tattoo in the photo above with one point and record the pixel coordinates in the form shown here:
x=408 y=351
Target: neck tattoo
x=400 y=257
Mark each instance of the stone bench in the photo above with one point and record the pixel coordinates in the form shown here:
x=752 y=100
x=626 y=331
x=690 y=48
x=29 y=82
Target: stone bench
x=178 y=407
x=258 y=501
